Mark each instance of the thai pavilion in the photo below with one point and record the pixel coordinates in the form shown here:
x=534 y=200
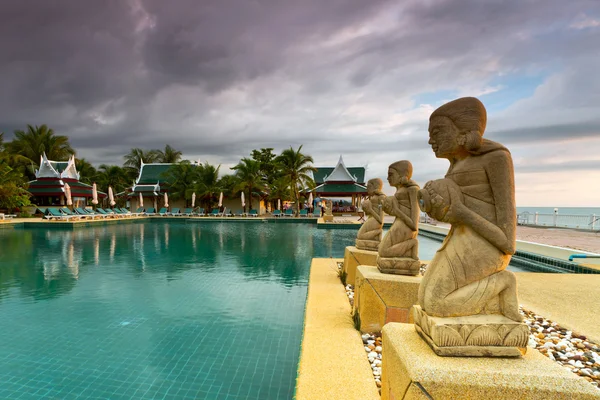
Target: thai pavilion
x=48 y=189
x=341 y=182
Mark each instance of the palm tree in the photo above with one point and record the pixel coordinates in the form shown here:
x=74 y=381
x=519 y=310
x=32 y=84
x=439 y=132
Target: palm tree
x=247 y=171
x=34 y=141
x=112 y=175
x=134 y=158
x=87 y=172
x=208 y=183
x=182 y=180
x=279 y=189
x=170 y=155
x=296 y=167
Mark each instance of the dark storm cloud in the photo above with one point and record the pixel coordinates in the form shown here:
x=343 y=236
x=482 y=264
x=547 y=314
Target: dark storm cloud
x=217 y=79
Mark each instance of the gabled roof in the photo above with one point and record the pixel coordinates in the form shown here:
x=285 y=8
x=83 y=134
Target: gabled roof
x=332 y=189
x=57 y=169
x=150 y=174
x=350 y=174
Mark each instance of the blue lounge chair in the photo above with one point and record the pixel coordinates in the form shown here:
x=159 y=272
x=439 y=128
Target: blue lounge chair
x=222 y=214
x=163 y=211
x=289 y=212
x=151 y=211
x=70 y=213
x=174 y=212
x=240 y=213
x=304 y=212
x=214 y=213
x=83 y=213
x=277 y=213
x=139 y=211
x=200 y=212
x=253 y=213
x=108 y=213
x=54 y=213
x=187 y=212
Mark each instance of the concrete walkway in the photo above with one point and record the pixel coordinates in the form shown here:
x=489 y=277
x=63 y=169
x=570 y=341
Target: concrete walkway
x=333 y=362
x=571 y=300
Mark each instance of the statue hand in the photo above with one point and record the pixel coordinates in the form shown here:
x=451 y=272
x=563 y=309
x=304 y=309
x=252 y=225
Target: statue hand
x=456 y=205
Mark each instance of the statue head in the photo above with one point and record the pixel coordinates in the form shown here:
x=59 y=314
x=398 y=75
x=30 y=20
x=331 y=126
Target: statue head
x=399 y=173
x=374 y=185
x=457 y=127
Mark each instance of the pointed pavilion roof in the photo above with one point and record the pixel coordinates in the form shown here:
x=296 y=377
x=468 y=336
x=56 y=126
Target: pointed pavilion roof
x=57 y=169
x=340 y=173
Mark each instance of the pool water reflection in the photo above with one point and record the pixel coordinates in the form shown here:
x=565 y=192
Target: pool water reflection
x=158 y=309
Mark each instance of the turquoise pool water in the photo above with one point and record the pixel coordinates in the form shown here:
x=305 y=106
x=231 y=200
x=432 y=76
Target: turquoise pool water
x=158 y=310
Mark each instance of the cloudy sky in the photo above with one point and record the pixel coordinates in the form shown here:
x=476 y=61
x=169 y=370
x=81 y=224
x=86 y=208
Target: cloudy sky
x=218 y=78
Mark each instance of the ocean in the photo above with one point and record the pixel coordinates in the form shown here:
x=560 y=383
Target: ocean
x=567 y=217
x=561 y=210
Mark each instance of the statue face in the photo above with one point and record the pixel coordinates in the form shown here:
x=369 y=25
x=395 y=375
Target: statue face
x=393 y=177
x=443 y=137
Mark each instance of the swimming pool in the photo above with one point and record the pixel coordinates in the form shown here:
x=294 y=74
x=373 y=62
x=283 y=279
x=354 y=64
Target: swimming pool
x=158 y=310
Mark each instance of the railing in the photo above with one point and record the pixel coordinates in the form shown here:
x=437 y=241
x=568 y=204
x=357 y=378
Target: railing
x=577 y=221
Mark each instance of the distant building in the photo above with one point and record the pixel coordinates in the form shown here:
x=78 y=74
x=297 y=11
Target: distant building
x=48 y=189
x=341 y=182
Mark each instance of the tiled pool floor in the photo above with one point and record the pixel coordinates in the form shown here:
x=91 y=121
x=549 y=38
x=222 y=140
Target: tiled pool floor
x=157 y=310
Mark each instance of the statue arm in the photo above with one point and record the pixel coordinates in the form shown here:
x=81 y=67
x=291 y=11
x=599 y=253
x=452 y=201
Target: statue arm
x=376 y=207
x=408 y=221
x=502 y=234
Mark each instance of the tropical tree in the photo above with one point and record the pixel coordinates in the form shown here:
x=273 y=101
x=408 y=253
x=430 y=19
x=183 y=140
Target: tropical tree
x=112 y=175
x=182 y=180
x=208 y=183
x=297 y=167
x=36 y=140
x=134 y=158
x=169 y=155
x=268 y=166
x=87 y=172
x=249 y=177
x=13 y=193
x=279 y=189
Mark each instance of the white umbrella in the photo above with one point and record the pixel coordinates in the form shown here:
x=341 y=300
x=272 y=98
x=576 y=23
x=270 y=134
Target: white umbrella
x=279 y=204
x=166 y=200
x=243 y=200
x=141 y=200
x=310 y=200
x=193 y=199
x=221 y=199
x=94 y=194
x=111 y=197
x=68 y=194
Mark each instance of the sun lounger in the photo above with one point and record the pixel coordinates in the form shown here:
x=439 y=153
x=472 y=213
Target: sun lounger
x=187 y=212
x=214 y=213
x=277 y=213
x=150 y=211
x=71 y=214
x=54 y=213
x=163 y=212
x=253 y=213
x=175 y=212
x=222 y=214
x=200 y=212
x=240 y=213
x=7 y=216
x=83 y=213
x=289 y=213
x=107 y=213
x=304 y=212
x=138 y=212
x=117 y=212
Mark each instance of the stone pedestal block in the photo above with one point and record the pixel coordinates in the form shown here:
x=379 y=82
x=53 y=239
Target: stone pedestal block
x=382 y=298
x=399 y=266
x=327 y=218
x=472 y=336
x=354 y=257
x=411 y=370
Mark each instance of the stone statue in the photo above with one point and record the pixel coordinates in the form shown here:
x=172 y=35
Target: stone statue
x=468 y=276
x=399 y=249
x=369 y=234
